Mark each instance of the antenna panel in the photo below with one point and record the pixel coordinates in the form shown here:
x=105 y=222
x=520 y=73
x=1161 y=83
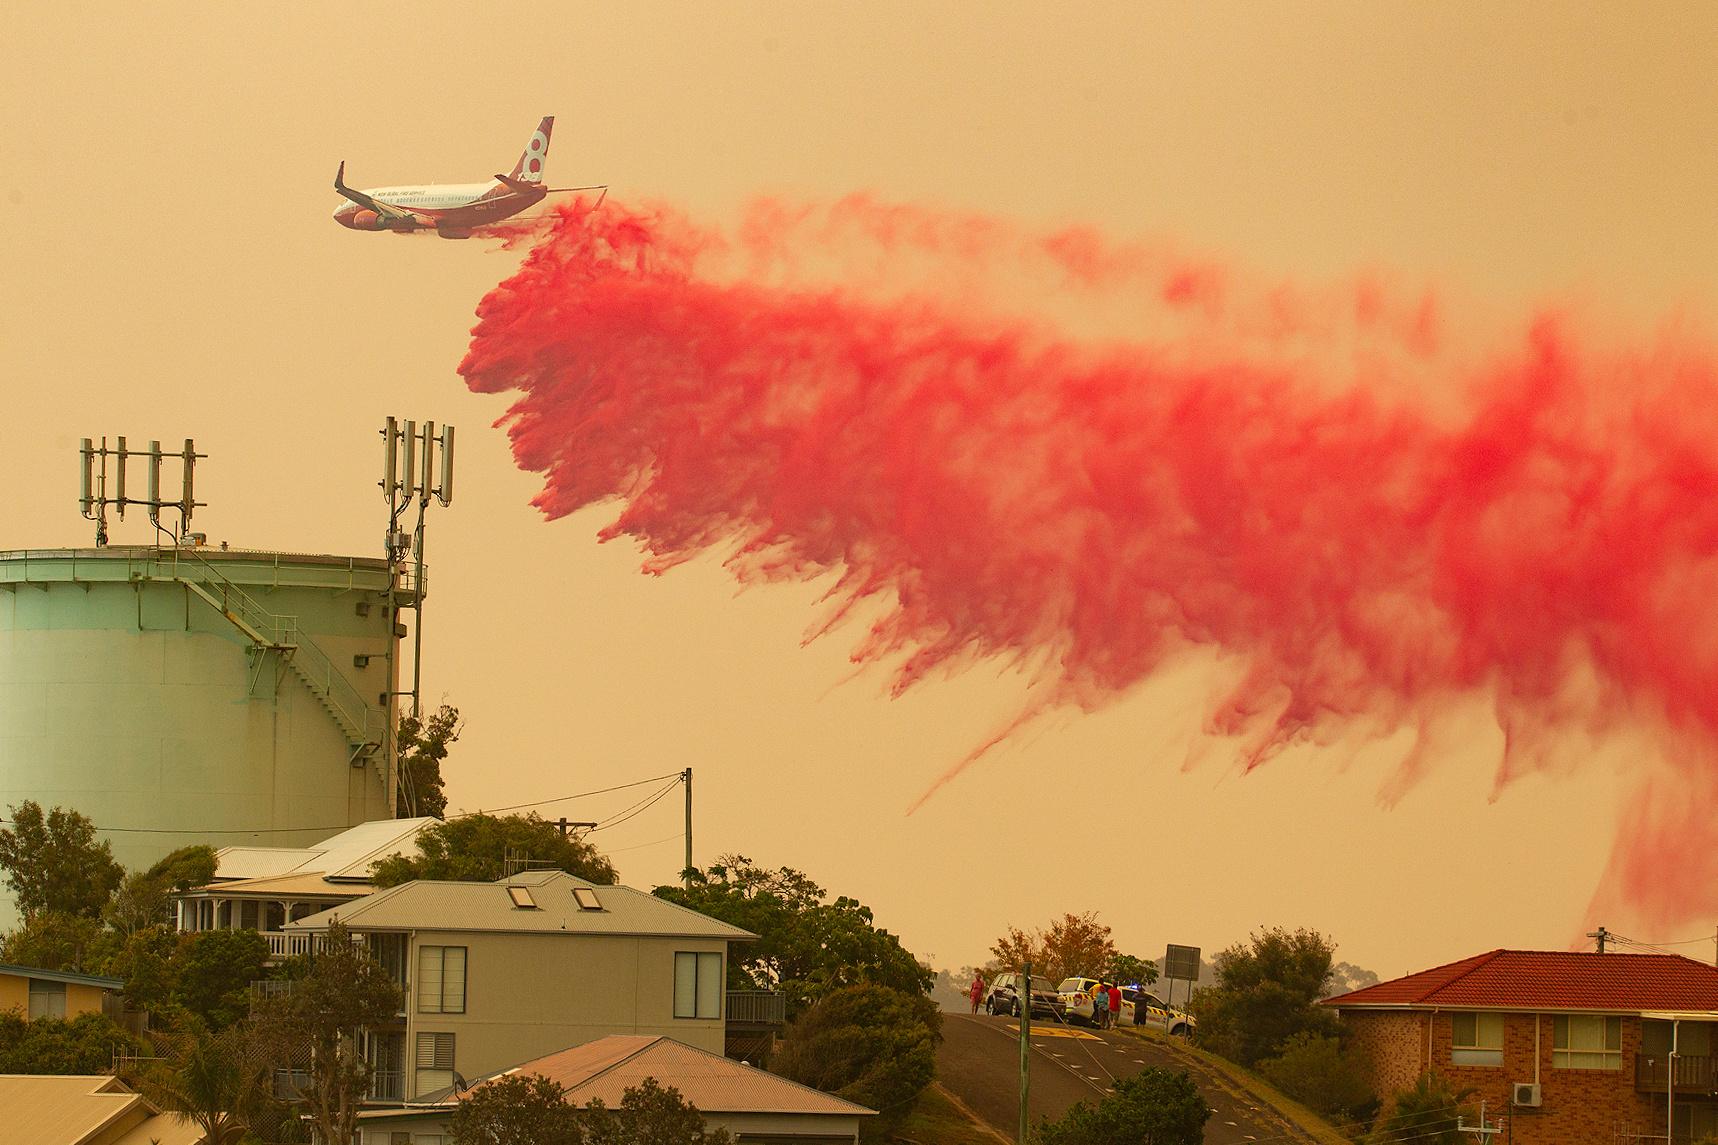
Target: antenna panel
x=445 y=492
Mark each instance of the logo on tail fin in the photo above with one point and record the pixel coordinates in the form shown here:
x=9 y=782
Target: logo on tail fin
x=529 y=169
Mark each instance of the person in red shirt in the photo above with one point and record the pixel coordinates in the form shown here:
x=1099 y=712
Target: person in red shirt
x=1115 y=1002
x=976 y=990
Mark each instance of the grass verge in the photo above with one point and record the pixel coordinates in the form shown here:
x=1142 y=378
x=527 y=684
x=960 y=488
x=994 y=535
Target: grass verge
x=939 y=1118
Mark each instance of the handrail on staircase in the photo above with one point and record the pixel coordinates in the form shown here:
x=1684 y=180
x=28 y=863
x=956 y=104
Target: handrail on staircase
x=362 y=722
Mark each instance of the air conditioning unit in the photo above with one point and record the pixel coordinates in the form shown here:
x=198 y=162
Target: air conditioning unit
x=1526 y=1094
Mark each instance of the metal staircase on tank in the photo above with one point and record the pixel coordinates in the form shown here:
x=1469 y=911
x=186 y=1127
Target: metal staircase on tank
x=362 y=724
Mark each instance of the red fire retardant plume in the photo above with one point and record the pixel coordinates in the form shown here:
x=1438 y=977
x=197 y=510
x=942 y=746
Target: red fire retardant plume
x=1302 y=481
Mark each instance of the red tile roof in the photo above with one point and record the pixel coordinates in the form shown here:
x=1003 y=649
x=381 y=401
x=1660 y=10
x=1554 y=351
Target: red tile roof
x=606 y=1068
x=1550 y=980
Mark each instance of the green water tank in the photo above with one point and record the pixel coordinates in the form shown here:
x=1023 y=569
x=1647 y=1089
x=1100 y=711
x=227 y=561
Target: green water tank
x=179 y=695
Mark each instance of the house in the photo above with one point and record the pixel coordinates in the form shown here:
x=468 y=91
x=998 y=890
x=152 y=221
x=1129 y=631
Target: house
x=496 y=973
x=758 y=1108
x=46 y=1109
x=55 y=994
x=1568 y=1047
x=264 y=888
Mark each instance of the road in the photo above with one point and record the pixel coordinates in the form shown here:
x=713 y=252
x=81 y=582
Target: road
x=979 y=1062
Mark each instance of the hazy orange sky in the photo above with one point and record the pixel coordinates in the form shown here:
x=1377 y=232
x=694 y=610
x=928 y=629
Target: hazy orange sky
x=171 y=270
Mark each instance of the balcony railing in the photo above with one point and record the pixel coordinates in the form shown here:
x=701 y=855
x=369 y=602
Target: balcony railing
x=289 y=943
x=756 y=1008
x=388 y=1085
x=1695 y=1073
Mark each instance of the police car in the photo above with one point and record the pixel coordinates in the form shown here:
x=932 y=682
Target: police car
x=1143 y=1008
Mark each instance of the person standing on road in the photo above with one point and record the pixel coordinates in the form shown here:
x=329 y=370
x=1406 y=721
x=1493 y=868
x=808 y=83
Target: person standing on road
x=976 y=989
x=1100 y=1007
x=1115 y=1002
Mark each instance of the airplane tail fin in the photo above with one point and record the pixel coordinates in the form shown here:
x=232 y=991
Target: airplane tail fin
x=529 y=169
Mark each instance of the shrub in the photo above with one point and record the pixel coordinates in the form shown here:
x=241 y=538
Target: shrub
x=1153 y=1107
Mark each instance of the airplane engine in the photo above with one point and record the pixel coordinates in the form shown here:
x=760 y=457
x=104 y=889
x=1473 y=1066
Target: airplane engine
x=364 y=219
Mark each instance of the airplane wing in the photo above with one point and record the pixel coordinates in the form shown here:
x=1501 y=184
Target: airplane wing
x=385 y=211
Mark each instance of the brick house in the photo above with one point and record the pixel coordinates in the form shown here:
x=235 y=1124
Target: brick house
x=1569 y=1048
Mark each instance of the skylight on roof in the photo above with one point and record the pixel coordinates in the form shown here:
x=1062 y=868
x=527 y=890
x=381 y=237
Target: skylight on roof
x=587 y=898
x=522 y=898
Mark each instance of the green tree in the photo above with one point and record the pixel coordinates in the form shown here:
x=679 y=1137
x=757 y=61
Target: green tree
x=423 y=744
x=146 y=962
x=213 y=971
x=474 y=848
x=53 y=940
x=1265 y=994
x=336 y=991
x=807 y=946
x=518 y=1109
x=1153 y=1107
x=870 y=1044
x=145 y=898
x=1426 y=1113
x=1318 y=1072
x=218 y=1081
x=84 y=1044
x=1127 y=970
x=650 y=1114
x=53 y=862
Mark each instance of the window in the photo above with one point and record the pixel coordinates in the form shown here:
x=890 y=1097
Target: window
x=521 y=897
x=1587 y=1041
x=441 y=980
x=587 y=898
x=697 y=985
x=47 y=999
x=434 y=1062
x=1476 y=1039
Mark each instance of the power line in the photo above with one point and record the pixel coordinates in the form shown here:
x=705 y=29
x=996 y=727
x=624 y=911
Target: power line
x=677 y=836
x=637 y=810
x=343 y=826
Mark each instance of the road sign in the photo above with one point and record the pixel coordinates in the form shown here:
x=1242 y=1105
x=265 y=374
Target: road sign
x=1181 y=963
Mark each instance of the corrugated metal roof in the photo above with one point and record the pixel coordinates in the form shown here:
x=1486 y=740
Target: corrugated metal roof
x=348 y=855
x=297 y=883
x=429 y=905
x=71 y=1110
x=1550 y=980
x=260 y=862
x=62 y=976
x=606 y=1068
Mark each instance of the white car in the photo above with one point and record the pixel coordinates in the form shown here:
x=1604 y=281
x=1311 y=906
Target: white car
x=1076 y=994
x=1143 y=1008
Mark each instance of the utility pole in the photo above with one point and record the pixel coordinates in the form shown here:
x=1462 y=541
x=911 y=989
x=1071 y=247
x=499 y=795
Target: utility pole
x=563 y=825
x=1601 y=935
x=1025 y=1048
x=686 y=871
x=1482 y=1132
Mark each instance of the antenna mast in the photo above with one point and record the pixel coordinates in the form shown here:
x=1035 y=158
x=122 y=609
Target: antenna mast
x=417 y=465
x=94 y=502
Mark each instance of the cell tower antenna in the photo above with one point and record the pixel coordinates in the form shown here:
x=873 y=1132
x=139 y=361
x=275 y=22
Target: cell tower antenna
x=410 y=453
x=93 y=498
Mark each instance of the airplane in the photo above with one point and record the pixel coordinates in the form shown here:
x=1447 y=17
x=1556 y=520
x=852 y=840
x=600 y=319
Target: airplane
x=452 y=208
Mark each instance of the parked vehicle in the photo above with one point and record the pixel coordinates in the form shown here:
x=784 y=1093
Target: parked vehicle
x=1004 y=996
x=1143 y=1008
x=1076 y=997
